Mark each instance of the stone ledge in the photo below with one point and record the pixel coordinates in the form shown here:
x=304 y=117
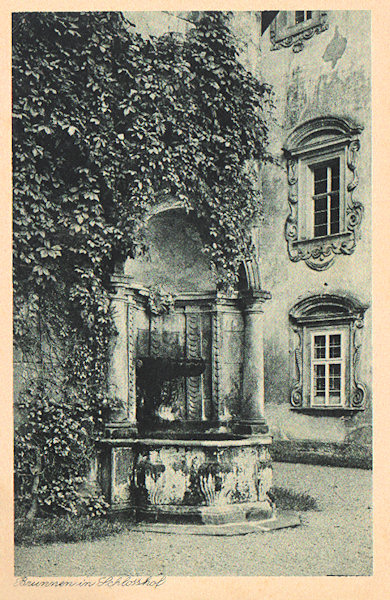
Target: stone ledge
x=331 y=454
x=247 y=440
x=282 y=520
x=328 y=411
x=207 y=515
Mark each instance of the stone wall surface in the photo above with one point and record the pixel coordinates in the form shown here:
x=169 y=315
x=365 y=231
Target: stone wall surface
x=329 y=76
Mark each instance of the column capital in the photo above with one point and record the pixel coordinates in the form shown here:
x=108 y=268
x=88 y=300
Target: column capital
x=122 y=288
x=253 y=300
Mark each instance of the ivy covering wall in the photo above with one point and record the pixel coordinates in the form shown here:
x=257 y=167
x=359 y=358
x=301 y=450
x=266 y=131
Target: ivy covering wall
x=107 y=124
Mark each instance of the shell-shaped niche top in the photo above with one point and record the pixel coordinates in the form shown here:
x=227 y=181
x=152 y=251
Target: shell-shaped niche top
x=175 y=260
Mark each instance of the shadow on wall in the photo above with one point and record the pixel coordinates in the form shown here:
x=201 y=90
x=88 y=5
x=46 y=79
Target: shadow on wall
x=276 y=375
x=175 y=260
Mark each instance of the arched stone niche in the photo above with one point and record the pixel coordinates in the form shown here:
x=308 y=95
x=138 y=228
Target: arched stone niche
x=224 y=331
x=175 y=260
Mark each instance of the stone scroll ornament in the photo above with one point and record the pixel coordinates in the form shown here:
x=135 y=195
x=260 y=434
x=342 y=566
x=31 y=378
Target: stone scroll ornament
x=297 y=40
x=320 y=253
x=296 y=396
x=359 y=390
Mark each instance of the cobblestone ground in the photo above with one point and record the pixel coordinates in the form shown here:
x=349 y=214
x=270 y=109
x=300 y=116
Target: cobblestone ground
x=335 y=541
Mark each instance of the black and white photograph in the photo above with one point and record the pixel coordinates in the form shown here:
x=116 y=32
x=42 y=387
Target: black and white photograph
x=192 y=296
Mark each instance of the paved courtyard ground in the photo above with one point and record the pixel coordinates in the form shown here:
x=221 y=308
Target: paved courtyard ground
x=335 y=541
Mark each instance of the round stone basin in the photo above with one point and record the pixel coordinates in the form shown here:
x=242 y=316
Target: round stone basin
x=210 y=478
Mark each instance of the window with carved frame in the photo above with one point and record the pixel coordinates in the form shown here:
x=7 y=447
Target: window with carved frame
x=322 y=175
x=325 y=358
x=293 y=28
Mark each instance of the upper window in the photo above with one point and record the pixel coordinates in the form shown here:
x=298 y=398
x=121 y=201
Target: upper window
x=326 y=355
x=303 y=15
x=321 y=164
x=292 y=28
x=326 y=197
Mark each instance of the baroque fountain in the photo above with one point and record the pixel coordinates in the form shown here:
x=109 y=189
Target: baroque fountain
x=189 y=442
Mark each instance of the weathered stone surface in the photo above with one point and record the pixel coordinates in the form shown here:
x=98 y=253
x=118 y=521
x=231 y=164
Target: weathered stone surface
x=178 y=479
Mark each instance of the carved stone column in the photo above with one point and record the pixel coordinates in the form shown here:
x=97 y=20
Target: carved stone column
x=195 y=400
x=227 y=352
x=121 y=376
x=252 y=409
x=216 y=365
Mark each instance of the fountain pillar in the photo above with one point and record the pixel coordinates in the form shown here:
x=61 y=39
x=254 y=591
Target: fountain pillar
x=121 y=377
x=252 y=419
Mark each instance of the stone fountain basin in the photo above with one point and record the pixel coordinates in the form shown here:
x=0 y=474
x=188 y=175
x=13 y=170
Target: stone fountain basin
x=209 y=478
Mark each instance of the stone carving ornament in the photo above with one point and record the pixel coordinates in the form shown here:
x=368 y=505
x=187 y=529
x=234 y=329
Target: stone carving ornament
x=359 y=392
x=321 y=309
x=295 y=36
x=296 y=397
x=307 y=141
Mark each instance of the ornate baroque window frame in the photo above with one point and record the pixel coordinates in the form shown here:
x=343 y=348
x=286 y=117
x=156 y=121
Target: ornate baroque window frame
x=332 y=313
x=285 y=32
x=321 y=139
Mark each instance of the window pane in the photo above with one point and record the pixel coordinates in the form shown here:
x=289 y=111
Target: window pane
x=308 y=14
x=320 y=209
x=334 y=399
x=335 y=202
x=335 y=178
x=320 y=230
x=320 y=186
x=320 y=179
x=335 y=384
x=335 y=214
x=320 y=217
x=319 y=399
x=299 y=16
x=335 y=346
x=320 y=172
x=320 y=204
x=335 y=226
x=335 y=376
x=319 y=372
x=319 y=380
x=319 y=348
x=335 y=166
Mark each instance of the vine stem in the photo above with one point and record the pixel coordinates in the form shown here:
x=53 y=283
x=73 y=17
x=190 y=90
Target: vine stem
x=37 y=470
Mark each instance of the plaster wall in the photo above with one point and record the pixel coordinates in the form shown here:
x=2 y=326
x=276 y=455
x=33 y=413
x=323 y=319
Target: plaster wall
x=329 y=76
